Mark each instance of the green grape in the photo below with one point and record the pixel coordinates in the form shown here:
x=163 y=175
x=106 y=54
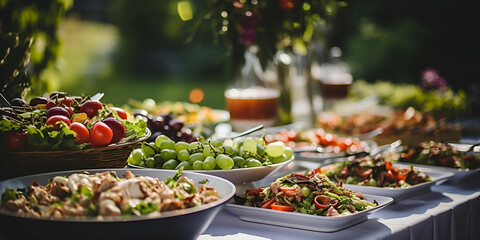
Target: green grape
x=168 y=154
x=241 y=152
x=260 y=141
x=289 y=152
x=167 y=144
x=209 y=163
x=239 y=161
x=179 y=146
x=170 y=164
x=133 y=161
x=198 y=165
x=183 y=155
x=148 y=149
x=252 y=162
x=137 y=156
x=186 y=166
x=372 y=182
x=350 y=180
x=216 y=143
x=158 y=160
x=196 y=157
x=224 y=162
x=193 y=146
x=235 y=167
x=279 y=159
x=142 y=164
x=150 y=162
x=275 y=149
x=208 y=151
x=227 y=150
x=305 y=191
x=260 y=150
x=160 y=139
x=250 y=146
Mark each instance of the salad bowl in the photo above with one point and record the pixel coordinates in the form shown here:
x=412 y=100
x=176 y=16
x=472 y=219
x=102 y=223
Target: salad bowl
x=177 y=224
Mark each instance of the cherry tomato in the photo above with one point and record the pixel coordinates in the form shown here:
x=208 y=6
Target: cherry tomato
x=83 y=135
x=321 y=201
x=401 y=176
x=51 y=104
x=101 y=134
x=52 y=121
x=91 y=107
x=324 y=201
x=283 y=207
x=252 y=192
x=389 y=166
x=16 y=141
x=363 y=173
x=121 y=113
x=408 y=154
x=68 y=102
x=328 y=140
x=289 y=191
x=390 y=176
x=345 y=171
x=268 y=203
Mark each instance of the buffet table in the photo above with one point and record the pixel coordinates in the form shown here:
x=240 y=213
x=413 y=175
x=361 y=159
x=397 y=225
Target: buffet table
x=447 y=211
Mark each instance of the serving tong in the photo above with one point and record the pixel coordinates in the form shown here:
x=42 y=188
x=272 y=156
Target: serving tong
x=373 y=152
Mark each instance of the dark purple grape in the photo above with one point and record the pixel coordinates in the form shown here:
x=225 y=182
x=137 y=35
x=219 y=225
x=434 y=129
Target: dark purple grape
x=55 y=95
x=8 y=114
x=58 y=111
x=175 y=125
x=166 y=118
x=38 y=100
x=157 y=124
x=18 y=102
x=153 y=136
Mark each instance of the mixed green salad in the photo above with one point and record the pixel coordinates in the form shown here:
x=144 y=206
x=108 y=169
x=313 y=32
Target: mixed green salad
x=312 y=194
x=439 y=154
x=373 y=171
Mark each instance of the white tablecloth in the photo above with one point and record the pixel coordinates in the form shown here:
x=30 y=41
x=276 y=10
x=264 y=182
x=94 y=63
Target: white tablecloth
x=447 y=211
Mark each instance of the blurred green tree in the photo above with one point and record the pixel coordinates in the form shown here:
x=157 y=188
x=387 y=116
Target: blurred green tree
x=29 y=44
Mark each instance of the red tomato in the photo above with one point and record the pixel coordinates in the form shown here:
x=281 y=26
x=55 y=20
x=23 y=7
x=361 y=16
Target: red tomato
x=389 y=166
x=83 y=135
x=52 y=121
x=51 y=104
x=121 y=113
x=363 y=173
x=283 y=207
x=101 y=134
x=390 y=176
x=268 y=203
x=16 y=141
x=324 y=201
x=252 y=192
x=289 y=191
x=401 y=176
x=68 y=102
x=328 y=140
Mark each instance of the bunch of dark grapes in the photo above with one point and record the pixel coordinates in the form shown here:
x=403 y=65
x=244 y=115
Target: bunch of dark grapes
x=165 y=124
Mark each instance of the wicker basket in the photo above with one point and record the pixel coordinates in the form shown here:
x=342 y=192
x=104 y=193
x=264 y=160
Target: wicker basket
x=15 y=164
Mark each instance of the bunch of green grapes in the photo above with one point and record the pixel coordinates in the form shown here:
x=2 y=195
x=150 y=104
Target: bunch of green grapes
x=209 y=154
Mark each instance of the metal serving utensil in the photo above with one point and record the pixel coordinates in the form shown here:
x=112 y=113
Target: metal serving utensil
x=4 y=102
x=470 y=149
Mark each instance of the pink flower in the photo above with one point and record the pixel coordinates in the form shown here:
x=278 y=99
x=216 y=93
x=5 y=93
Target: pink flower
x=432 y=81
